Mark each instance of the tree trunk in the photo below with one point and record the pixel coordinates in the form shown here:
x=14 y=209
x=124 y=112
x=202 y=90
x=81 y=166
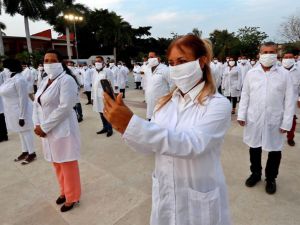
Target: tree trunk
x=68 y=43
x=115 y=53
x=26 y=22
x=1 y=44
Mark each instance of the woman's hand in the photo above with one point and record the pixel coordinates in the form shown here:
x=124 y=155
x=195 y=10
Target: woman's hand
x=116 y=112
x=39 y=132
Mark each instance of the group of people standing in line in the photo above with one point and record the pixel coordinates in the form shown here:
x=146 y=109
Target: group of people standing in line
x=187 y=119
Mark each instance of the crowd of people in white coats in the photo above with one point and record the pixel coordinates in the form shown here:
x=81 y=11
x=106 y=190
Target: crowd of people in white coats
x=187 y=119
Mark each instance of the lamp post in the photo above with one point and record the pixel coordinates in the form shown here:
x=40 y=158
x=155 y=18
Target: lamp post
x=74 y=19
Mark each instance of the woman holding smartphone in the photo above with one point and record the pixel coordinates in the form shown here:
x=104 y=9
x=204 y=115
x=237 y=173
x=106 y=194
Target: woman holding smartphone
x=185 y=134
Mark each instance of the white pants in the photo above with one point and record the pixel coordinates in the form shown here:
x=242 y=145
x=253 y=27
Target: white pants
x=27 y=141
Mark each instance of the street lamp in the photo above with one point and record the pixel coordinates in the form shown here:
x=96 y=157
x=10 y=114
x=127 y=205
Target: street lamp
x=74 y=19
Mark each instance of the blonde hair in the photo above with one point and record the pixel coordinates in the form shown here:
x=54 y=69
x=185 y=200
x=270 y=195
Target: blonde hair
x=199 y=49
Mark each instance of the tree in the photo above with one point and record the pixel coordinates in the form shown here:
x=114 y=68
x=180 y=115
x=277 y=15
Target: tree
x=2 y=27
x=290 y=29
x=29 y=9
x=197 y=32
x=224 y=44
x=250 y=40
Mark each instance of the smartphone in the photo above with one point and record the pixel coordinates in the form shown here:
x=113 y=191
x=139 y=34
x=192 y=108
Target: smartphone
x=106 y=86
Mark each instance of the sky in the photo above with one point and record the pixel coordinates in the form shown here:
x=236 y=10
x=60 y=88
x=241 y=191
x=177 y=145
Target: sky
x=167 y=16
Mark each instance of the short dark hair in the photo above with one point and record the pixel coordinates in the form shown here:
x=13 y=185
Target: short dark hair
x=269 y=43
x=13 y=65
x=99 y=57
x=57 y=53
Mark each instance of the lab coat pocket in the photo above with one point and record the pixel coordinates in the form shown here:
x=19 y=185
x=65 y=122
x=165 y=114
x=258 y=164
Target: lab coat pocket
x=155 y=200
x=204 y=208
x=62 y=130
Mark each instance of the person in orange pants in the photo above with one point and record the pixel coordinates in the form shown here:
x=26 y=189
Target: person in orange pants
x=56 y=122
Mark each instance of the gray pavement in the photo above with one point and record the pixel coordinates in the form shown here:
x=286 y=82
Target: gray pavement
x=116 y=182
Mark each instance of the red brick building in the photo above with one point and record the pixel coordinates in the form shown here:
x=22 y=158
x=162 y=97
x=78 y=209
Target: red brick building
x=41 y=41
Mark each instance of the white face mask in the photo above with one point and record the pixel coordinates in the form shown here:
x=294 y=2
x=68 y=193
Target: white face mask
x=215 y=61
x=288 y=63
x=252 y=63
x=119 y=66
x=268 y=60
x=187 y=75
x=98 y=65
x=227 y=60
x=53 y=70
x=111 y=64
x=153 y=62
x=231 y=63
x=41 y=68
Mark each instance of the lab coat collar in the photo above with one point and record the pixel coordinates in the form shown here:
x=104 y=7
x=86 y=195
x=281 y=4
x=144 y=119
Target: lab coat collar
x=192 y=94
x=259 y=68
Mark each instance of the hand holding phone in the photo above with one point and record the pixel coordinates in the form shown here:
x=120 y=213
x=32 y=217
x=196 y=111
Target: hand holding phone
x=106 y=86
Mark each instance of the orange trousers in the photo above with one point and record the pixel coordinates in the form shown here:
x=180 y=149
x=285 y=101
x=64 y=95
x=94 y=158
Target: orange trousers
x=68 y=177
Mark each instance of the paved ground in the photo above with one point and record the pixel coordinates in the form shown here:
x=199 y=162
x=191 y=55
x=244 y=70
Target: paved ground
x=117 y=182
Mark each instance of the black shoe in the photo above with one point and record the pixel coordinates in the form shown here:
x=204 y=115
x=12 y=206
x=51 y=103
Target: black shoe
x=252 y=180
x=89 y=103
x=21 y=157
x=4 y=139
x=29 y=158
x=60 y=200
x=65 y=208
x=103 y=131
x=109 y=133
x=80 y=119
x=270 y=186
x=291 y=143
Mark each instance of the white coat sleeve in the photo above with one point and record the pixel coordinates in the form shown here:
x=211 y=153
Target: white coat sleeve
x=240 y=79
x=244 y=102
x=35 y=117
x=146 y=137
x=289 y=105
x=22 y=90
x=68 y=98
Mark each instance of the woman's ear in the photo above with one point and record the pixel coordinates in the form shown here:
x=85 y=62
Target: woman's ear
x=202 y=61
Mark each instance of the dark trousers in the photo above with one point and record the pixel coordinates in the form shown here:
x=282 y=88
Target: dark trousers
x=35 y=88
x=3 y=129
x=272 y=165
x=233 y=100
x=291 y=133
x=78 y=110
x=138 y=85
x=123 y=92
x=88 y=95
x=106 y=125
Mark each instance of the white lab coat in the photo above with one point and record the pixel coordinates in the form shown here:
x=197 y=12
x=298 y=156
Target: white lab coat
x=137 y=74
x=97 y=91
x=17 y=105
x=232 y=82
x=244 y=68
x=188 y=184
x=294 y=72
x=41 y=76
x=87 y=75
x=217 y=72
x=30 y=79
x=158 y=85
x=115 y=71
x=267 y=104
x=144 y=67
x=122 y=78
x=57 y=118
x=1 y=102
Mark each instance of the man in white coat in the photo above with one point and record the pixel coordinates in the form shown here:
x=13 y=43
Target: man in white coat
x=87 y=82
x=244 y=67
x=122 y=78
x=217 y=72
x=100 y=73
x=30 y=78
x=289 y=63
x=115 y=71
x=158 y=82
x=137 y=75
x=266 y=111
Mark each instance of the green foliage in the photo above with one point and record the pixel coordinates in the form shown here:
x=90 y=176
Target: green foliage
x=35 y=58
